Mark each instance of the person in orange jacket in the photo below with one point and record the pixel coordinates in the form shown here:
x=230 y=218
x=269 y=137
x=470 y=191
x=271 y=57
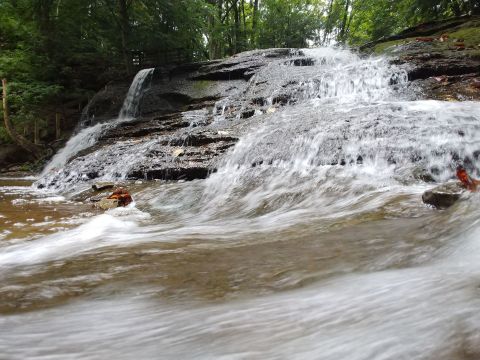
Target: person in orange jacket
x=470 y=183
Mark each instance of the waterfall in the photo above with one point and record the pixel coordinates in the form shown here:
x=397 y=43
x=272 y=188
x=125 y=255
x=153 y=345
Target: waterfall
x=310 y=241
x=353 y=132
x=89 y=135
x=134 y=96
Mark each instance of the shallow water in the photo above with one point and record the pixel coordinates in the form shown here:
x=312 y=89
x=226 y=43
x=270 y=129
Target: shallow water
x=310 y=242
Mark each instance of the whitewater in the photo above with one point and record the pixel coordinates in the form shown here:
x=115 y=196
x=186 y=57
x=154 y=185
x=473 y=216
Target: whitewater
x=310 y=241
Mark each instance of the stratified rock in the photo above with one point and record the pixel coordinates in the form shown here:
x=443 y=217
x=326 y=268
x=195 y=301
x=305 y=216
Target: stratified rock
x=99 y=186
x=442 y=65
x=443 y=196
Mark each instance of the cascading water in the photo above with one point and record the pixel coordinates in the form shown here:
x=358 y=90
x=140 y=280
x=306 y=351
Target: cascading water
x=88 y=136
x=310 y=241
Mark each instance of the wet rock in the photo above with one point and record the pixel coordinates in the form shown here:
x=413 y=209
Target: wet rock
x=260 y=101
x=201 y=139
x=178 y=152
x=97 y=198
x=106 y=104
x=183 y=172
x=99 y=186
x=175 y=114
x=11 y=155
x=247 y=114
x=282 y=99
x=443 y=196
x=423 y=175
x=239 y=67
x=106 y=204
x=443 y=67
x=301 y=62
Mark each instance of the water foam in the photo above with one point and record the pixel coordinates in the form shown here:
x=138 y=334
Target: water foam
x=87 y=137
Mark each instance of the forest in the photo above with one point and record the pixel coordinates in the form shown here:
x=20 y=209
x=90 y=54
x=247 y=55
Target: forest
x=56 y=53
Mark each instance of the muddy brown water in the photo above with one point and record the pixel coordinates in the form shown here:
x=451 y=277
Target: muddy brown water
x=193 y=271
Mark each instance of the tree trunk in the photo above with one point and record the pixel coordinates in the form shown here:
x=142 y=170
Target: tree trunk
x=344 y=22
x=35 y=150
x=220 y=48
x=347 y=29
x=244 y=23
x=36 y=132
x=58 y=126
x=236 y=15
x=125 y=29
x=327 y=30
x=254 y=24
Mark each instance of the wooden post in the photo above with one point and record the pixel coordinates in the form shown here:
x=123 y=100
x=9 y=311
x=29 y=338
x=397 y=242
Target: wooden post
x=58 y=128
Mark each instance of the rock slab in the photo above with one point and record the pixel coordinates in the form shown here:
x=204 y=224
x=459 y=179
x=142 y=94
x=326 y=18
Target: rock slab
x=443 y=196
x=106 y=204
x=99 y=186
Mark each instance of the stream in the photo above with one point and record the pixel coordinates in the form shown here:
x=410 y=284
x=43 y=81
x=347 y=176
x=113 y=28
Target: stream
x=311 y=240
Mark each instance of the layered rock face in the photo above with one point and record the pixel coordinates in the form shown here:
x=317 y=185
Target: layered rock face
x=187 y=117
x=443 y=57
x=190 y=115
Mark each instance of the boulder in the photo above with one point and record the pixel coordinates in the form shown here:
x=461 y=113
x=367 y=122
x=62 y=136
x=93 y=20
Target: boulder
x=97 y=198
x=423 y=175
x=106 y=204
x=443 y=196
x=99 y=186
x=11 y=155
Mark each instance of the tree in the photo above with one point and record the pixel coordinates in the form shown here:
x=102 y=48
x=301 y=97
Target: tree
x=35 y=150
x=57 y=53
x=289 y=23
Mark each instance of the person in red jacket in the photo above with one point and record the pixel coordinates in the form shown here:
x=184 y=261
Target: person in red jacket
x=466 y=180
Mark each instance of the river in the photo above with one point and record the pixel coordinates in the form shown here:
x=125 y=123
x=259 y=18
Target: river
x=310 y=241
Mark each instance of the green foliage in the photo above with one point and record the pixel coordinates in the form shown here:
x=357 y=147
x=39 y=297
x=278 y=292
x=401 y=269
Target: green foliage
x=471 y=35
x=289 y=23
x=366 y=20
x=4 y=138
x=57 y=52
